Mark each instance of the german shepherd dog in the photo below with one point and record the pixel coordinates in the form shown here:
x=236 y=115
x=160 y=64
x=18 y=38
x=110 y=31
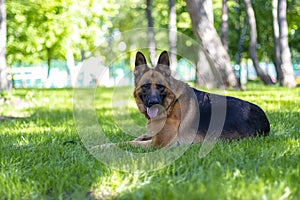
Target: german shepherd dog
x=178 y=114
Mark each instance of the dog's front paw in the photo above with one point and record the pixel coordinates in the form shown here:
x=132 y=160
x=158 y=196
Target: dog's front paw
x=143 y=137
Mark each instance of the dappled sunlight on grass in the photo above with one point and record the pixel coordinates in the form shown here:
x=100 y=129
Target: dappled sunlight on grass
x=117 y=183
x=42 y=155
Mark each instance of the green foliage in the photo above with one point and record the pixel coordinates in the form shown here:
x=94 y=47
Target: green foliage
x=38 y=31
x=293 y=18
x=264 y=21
x=42 y=157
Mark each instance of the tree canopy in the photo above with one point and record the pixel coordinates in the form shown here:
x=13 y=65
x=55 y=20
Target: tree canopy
x=39 y=31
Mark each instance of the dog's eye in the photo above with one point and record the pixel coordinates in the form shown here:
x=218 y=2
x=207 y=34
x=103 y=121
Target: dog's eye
x=160 y=87
x=146 y=87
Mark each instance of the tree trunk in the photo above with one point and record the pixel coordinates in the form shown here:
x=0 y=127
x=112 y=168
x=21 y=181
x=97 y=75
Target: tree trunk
x=71 y=66
x=151 y=41
x=172 y=35
x=242 y=29
x=286 y=61
x=49 y=67
x=242 y=32
x=204 y=74
x=3 y=65
x=253 y=42
x=82 y=53
x=211 y=44
x=224 y=24
x=277 y=59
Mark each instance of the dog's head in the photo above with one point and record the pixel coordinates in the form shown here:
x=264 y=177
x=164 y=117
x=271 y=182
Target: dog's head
x=152 y=85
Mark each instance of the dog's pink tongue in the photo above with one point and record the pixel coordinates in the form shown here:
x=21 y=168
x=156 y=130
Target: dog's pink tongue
x=152 y=112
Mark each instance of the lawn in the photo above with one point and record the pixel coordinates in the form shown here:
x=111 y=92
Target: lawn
x=42 y=155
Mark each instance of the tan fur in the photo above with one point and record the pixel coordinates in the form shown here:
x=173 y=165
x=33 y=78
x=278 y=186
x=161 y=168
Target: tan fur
x=178 y=99
x=176 y=122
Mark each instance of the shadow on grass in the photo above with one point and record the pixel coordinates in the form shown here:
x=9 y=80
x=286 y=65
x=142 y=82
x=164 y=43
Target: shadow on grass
x=35 y=153
x=248 y=168
x=11 y=118
x=37 y=159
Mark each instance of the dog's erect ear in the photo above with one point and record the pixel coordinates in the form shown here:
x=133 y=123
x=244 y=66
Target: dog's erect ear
x=164 y=59
x=140 y=59
x=163 y=65
x=140 y=66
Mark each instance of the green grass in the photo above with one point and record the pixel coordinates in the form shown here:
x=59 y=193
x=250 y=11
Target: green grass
x=42 y=155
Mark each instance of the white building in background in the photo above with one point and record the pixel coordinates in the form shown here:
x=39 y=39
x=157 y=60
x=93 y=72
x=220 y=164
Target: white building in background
x=36 y=77
x=92 y=73
x=27 y=77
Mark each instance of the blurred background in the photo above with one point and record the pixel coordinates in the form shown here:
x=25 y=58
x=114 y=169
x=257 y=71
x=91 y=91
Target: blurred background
x=44 y=43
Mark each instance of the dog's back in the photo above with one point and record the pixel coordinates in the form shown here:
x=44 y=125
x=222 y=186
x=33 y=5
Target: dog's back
x=241 y=118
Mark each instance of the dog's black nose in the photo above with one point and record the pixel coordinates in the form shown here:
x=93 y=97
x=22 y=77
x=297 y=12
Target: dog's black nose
x=153 y=100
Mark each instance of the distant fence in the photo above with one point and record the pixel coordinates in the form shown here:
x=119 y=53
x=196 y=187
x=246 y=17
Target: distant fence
x=36 y=76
